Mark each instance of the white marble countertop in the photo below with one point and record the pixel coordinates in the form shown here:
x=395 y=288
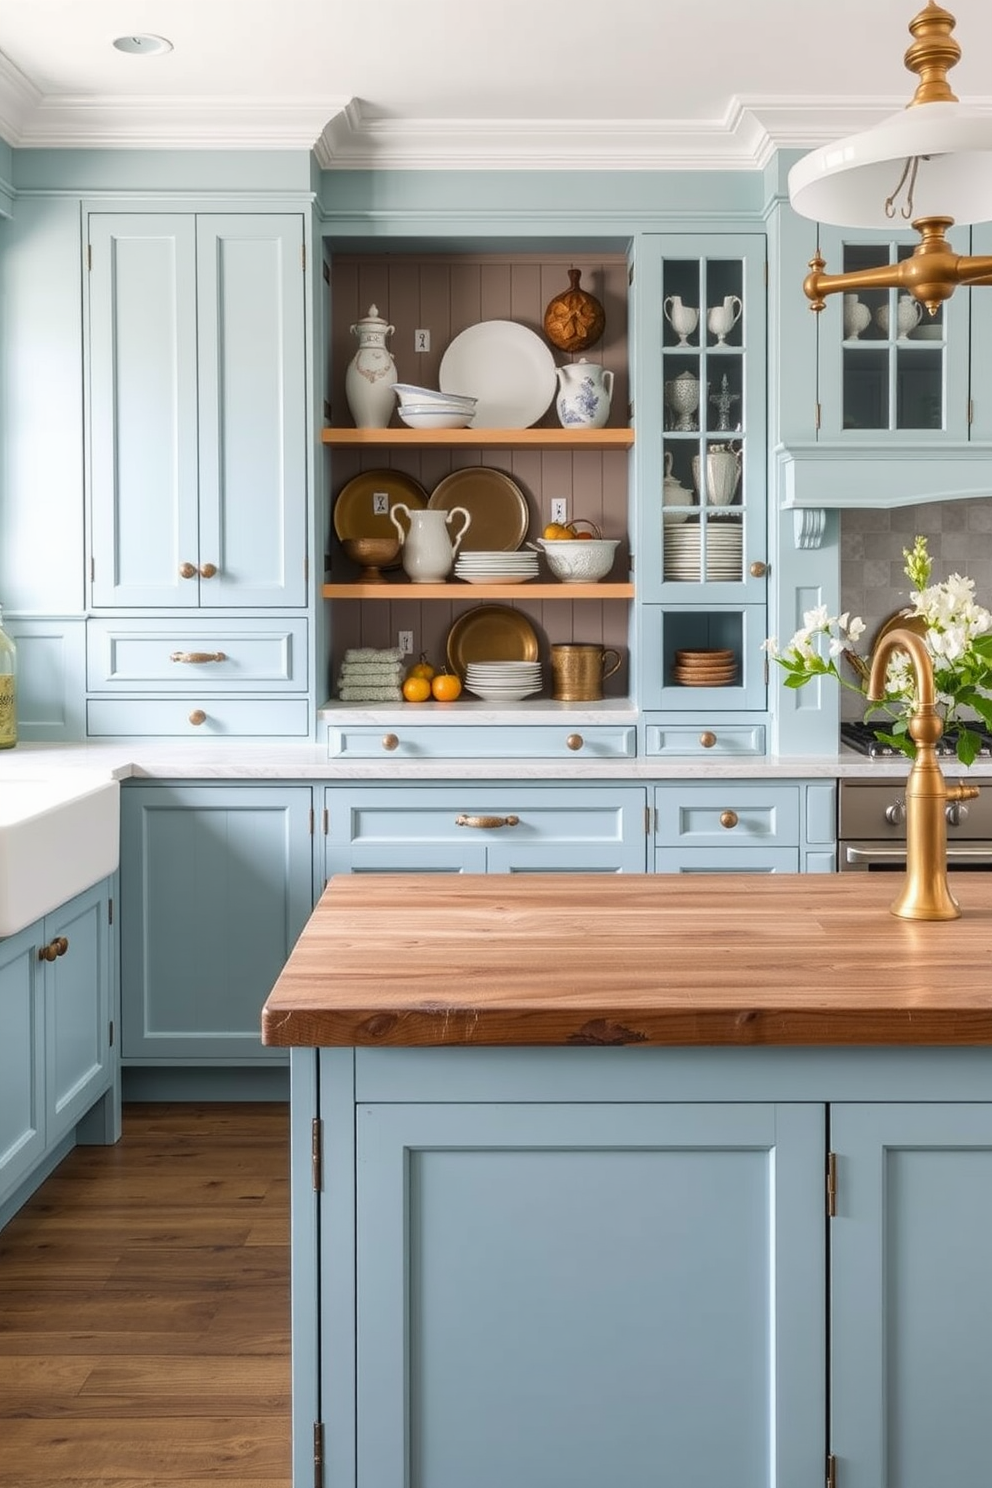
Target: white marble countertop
x=171 y=759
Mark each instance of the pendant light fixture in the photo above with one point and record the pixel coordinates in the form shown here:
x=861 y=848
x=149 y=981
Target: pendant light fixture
x=931 y=165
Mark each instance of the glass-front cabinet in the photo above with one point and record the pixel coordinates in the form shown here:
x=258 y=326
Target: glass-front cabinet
x=703 y=475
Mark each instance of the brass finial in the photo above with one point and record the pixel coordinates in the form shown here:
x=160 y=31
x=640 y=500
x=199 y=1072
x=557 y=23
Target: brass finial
x=932 y=52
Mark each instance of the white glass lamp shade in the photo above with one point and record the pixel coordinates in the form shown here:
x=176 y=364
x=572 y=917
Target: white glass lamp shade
x=847 y=183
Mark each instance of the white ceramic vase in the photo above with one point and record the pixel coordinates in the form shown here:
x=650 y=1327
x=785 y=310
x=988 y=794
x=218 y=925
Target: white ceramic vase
x=368 y=382
x=856 y=317
x=427 y=552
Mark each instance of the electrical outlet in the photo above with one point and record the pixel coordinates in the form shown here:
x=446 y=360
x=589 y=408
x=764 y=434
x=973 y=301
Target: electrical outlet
x=421 y=340
x=559 y=510
x=405 y=642
x=380 y=503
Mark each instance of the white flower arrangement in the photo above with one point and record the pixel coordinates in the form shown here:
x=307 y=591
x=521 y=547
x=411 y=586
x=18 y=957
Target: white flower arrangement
x=957 y=633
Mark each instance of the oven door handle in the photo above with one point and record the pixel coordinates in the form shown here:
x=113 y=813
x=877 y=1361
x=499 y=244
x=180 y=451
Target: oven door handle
x=980 y=855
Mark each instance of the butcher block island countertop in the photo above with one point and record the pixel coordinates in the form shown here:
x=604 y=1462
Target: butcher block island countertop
x=546 y=959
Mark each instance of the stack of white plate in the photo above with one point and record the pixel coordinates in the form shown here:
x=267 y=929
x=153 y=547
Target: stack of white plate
x=503 y=681
x=723 y=552
x=497 y=568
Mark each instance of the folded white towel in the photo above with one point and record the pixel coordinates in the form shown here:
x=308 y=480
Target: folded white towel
x=372 y=668
x=370 y=694
x=370 y=653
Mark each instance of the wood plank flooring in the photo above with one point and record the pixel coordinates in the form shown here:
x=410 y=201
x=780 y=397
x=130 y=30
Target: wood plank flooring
x=144 y=1308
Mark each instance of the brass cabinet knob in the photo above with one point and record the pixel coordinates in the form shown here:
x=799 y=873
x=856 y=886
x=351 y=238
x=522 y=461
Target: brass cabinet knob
x=574 y=741
x=187 y=570
x=54 y=948
x=194 y=658
x=758 y=569
x=707 y=740
x=486 y=822
x=390 y=741
x=197 y=717
x=207 y=570
x=728 y=819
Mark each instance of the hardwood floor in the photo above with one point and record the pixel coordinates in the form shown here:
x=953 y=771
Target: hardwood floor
x=144 y=1308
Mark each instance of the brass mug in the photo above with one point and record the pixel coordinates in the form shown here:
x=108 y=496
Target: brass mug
x=578 y=671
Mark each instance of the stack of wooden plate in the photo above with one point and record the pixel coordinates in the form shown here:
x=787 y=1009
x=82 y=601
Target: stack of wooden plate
x=711 y=668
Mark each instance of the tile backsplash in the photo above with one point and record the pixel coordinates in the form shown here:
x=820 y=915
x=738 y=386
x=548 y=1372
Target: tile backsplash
x=873 y=584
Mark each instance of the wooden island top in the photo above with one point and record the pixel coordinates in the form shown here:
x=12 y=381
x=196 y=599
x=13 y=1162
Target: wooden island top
x=410 y=960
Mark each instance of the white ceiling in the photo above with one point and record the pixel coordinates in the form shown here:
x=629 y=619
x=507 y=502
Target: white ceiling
x=614 y=84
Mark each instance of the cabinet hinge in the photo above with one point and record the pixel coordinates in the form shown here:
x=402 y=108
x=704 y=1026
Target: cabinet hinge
x=971 y=412
x=831 y=1185
x=306 y=570
x=110 y=1042
x=110 y=911
x=92 y=569
x=831 y=1470
x=89 y=255
x=316 y=1153
x=816 y=415
x=318 y=1454
x=325 y=821
x=311 y=821
x=303 y=257
x=647 y=821
x=766 y=272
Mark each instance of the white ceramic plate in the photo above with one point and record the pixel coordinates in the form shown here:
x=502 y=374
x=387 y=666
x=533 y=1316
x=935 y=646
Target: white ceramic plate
x=506 y=367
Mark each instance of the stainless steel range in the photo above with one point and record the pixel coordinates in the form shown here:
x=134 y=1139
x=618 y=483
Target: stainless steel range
x=872 y=827
x=861 y=736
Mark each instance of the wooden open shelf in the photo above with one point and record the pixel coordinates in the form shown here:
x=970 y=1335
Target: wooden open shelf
x=457 y=591
x=594 y=439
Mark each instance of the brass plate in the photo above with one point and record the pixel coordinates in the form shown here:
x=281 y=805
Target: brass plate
x=900 y=620
x=353 y=514
x=490 y=633
x=495 y=503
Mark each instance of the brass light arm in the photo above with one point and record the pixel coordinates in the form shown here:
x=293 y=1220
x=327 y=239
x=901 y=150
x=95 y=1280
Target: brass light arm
x=931 y=274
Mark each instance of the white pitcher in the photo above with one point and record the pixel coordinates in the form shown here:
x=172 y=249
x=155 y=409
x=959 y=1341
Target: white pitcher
x=584 y=393
x=683 y=319
x=427 y=553
x=721 y=319
x=857 y=315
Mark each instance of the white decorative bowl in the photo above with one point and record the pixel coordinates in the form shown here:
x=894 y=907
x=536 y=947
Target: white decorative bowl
x=407 y=393
x=575 y=561
x=416 y=416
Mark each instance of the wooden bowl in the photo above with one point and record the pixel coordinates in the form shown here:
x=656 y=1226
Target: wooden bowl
x=372 y=554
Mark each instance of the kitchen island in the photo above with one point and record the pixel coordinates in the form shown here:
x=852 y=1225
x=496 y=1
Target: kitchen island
x=639 y=1181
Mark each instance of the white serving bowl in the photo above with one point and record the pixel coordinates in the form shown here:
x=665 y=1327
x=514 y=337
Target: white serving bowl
x=419 y=417
x=407 y=393
x=575 y=561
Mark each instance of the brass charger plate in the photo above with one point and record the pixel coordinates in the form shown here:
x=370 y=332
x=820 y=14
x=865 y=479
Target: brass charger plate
x=490 y=633
x=353 y=510
x=900 y=620
x=495 y=503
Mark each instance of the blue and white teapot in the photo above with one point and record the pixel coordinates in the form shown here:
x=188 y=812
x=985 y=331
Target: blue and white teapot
x=584 y=393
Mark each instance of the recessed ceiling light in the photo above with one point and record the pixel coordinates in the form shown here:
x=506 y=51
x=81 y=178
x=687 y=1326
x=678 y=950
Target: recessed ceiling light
x=142 y=46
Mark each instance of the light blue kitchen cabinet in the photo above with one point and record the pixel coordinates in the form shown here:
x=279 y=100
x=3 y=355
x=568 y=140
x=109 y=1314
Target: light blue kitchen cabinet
x=735 y=826
x=57 y=1001
x=216 y=885
x=910 y=1299
x=484 y=827
x=197 y=417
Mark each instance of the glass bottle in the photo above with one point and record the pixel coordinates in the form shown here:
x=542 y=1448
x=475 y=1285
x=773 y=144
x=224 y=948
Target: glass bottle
x=8 y=683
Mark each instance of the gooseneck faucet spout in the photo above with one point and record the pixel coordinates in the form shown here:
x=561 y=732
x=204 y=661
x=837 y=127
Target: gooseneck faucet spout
x=925 y=894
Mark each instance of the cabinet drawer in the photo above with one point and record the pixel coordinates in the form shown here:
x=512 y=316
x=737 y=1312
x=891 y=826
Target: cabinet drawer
x=721 y=741
x=478 y=828
x=221 y=717
x=601 y=741
x=727 y=816
x=233 y=656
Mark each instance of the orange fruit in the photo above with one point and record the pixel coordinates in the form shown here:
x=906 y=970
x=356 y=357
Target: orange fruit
x=416 y=689
x=556 y=532
x=422 y=668
x=446 y=687
x=582 y=536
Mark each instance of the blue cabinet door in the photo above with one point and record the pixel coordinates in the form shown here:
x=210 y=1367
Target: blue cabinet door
x=572 y=1295
x=197 y=417
x=216 y=885
x=911 y=1299
x=22 y=1057
x=78 y=987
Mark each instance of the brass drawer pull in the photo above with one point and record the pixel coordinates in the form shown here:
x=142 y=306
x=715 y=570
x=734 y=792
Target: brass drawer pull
x=728 y=819
x=54 y=948
x=487 y=821
x=194 y=658
x=207 y=570
x=187 y=570
x=574 y=741
x=197 y=717
x=707 y=739
x=390 y=741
